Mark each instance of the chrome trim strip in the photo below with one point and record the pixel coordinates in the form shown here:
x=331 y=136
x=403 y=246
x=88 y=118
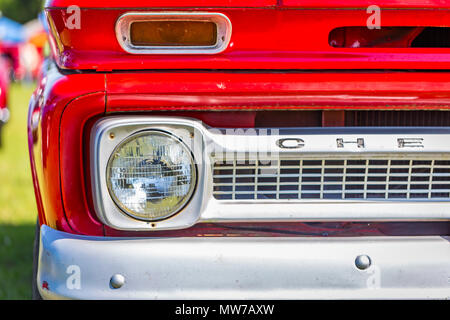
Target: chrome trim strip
x=222 y=22
x=80 y=267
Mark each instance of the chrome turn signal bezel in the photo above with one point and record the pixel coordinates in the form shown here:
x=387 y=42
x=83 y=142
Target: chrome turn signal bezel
x=223 y=24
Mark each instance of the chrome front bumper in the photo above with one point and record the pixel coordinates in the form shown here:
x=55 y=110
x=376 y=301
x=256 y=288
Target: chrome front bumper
x=80 y=267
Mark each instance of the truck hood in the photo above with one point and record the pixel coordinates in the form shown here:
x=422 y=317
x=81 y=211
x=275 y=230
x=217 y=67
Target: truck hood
x=266 y=34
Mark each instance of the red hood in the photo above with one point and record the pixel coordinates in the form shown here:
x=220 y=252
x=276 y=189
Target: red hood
x=160 y=3
x=266 y=34
x=366 y=3
x=248 y=3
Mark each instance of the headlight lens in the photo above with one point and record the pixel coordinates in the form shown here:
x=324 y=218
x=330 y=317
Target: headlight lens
x=151 y=175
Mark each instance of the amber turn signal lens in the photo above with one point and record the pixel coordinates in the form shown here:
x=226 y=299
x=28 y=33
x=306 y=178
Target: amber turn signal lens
x=173 y=33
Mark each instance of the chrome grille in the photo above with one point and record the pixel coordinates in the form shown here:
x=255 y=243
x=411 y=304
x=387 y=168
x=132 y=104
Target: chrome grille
x=332 y=179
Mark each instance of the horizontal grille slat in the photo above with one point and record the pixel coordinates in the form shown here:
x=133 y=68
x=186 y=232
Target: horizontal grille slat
x=332 y=179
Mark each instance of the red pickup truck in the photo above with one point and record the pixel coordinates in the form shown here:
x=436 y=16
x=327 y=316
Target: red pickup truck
x=252 y=149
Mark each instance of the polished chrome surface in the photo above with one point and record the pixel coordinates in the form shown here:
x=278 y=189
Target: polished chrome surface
x=222 y=22
x=244 y=268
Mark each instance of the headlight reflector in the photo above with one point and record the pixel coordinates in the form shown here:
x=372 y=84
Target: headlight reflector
x=151 y=175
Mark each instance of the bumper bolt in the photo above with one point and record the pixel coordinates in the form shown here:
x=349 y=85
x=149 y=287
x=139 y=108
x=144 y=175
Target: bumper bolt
x=117 y=281
x=362 y=262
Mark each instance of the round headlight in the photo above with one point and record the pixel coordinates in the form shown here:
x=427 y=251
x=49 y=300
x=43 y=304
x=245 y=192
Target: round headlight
x=151 y=175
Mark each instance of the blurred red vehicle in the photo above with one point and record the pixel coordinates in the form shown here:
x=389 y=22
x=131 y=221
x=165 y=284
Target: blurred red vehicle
x=11 y=55
x=4 y=85
x=256 y=149
x=11 y=39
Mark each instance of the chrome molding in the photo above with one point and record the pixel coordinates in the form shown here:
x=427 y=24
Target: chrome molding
x=223 y=24
x=210 y=145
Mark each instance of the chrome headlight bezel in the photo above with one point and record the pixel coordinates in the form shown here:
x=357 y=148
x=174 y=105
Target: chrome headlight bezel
x=107 y=134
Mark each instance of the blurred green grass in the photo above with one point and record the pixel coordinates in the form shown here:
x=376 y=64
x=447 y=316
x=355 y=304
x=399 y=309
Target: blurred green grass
x=17 y=203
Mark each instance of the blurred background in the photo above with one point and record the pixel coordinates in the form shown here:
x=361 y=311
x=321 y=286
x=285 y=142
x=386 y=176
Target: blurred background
x=23 y=45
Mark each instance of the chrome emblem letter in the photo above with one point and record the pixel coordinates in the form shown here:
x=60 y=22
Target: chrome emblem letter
x=410 y=142
x=359 y=142
x=290 y=143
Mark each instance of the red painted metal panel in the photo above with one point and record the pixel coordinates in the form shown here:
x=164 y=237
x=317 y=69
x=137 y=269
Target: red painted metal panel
x=262 y=39
x=53 y=95
x=282 y=91
x=75 y=180
x=366 y=3
x=249 y=3
x=298 y=229
x=159 y=3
